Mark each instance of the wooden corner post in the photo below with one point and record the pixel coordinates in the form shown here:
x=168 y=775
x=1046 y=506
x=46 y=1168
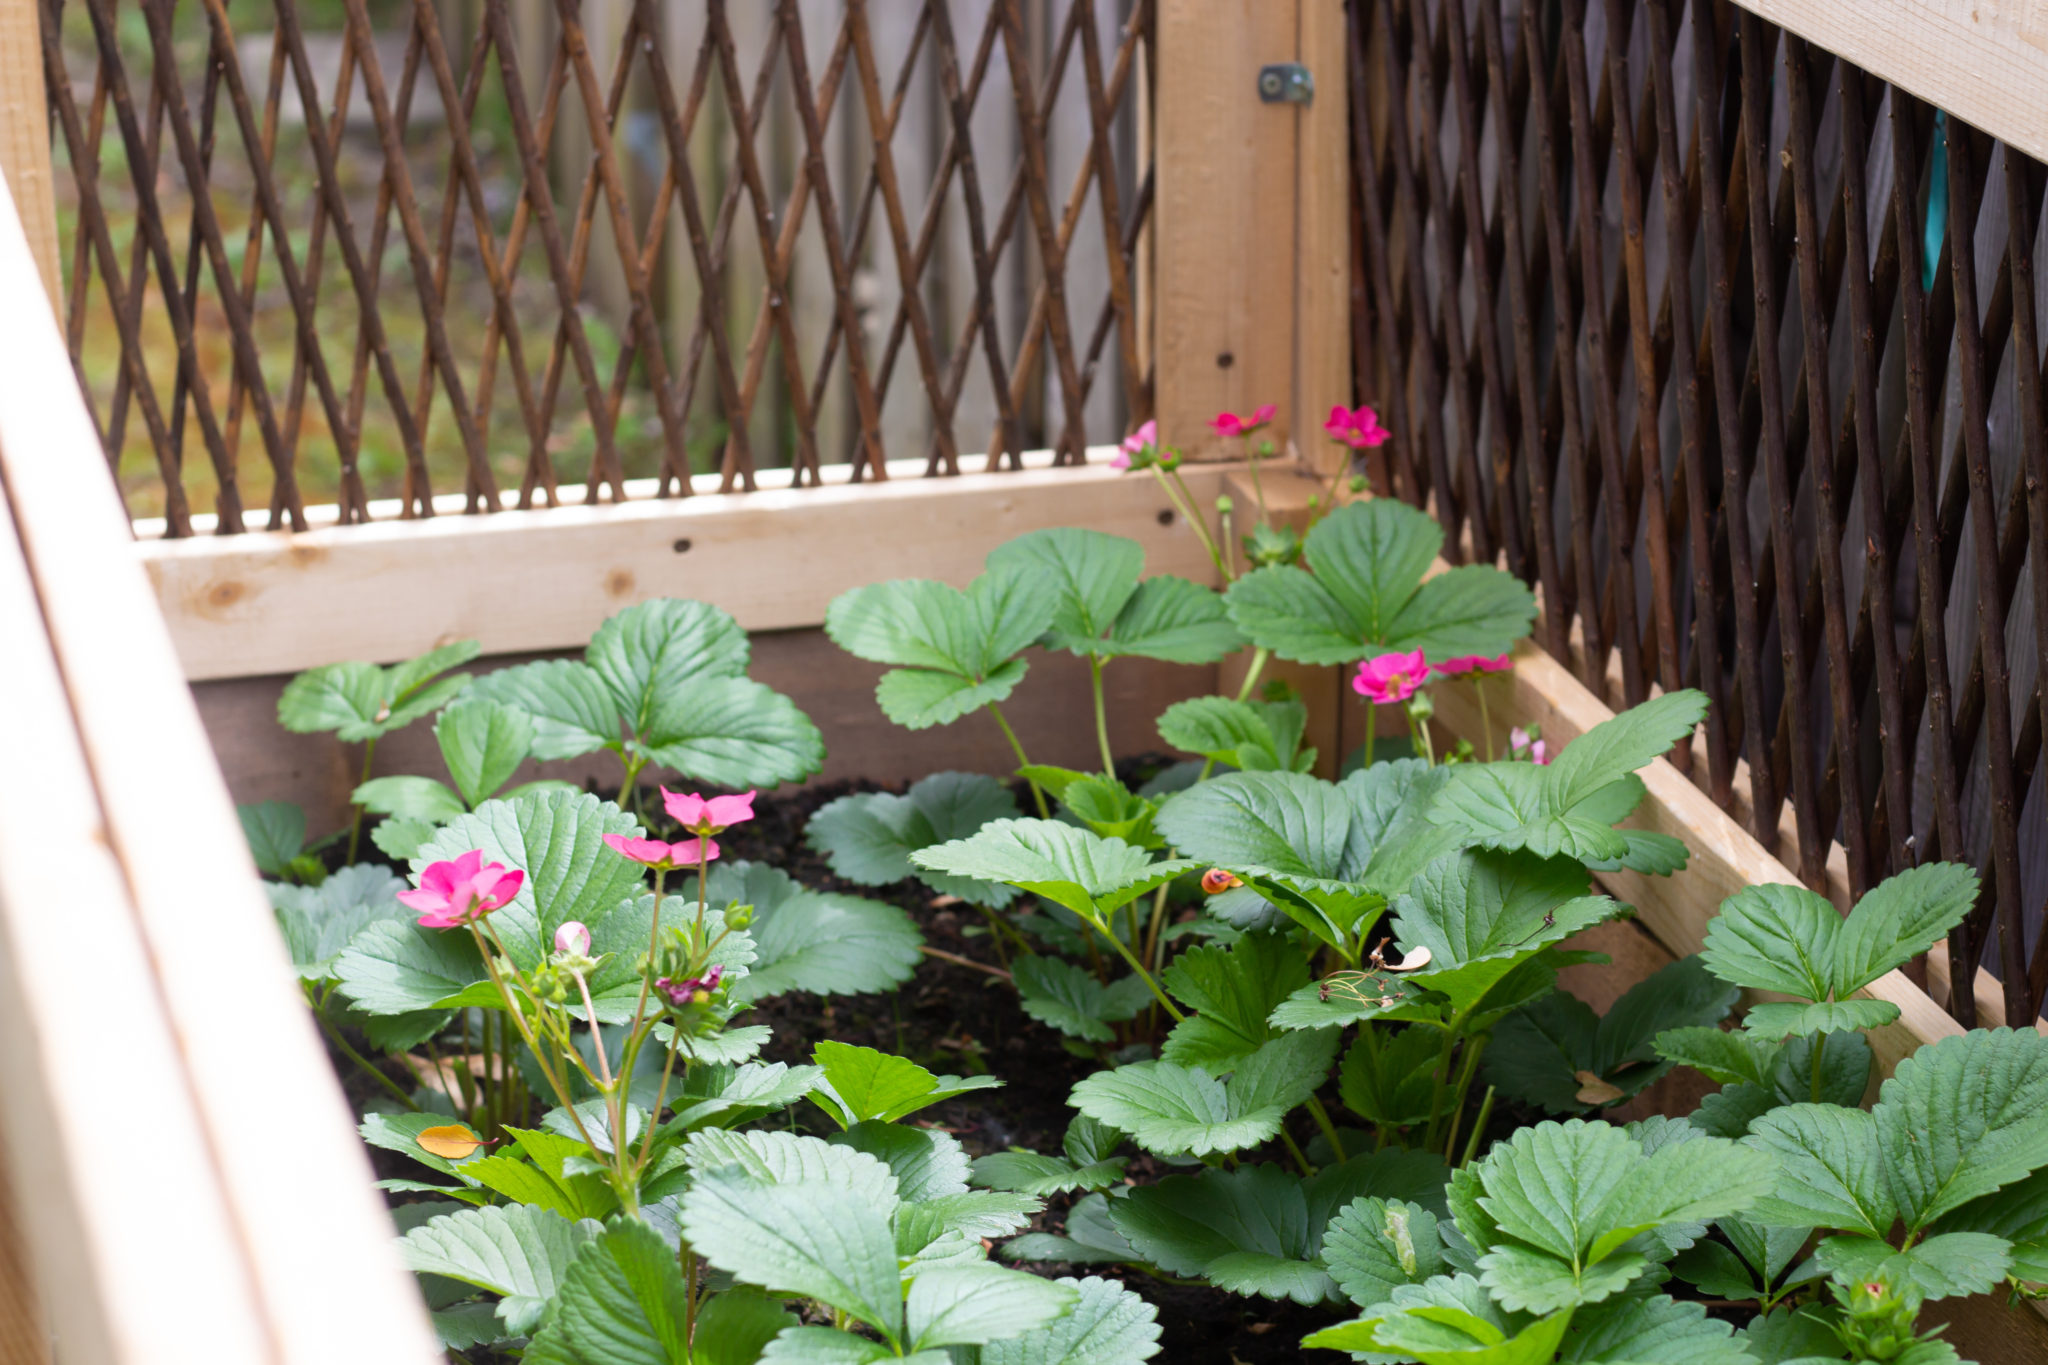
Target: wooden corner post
x=25 y=138
x=1251 y=231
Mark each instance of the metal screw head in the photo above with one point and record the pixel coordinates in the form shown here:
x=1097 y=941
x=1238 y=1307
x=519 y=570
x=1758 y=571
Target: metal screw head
x=1286 y=83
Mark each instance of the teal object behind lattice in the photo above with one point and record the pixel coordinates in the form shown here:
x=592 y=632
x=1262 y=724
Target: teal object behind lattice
x=1937 y=203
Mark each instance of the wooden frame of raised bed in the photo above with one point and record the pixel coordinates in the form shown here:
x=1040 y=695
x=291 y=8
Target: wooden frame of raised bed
x=249 y=1215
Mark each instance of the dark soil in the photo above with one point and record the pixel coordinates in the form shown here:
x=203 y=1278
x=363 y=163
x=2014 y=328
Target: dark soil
x=953 y=1019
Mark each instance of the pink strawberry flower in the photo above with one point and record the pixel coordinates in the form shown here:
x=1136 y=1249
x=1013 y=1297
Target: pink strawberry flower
x=1390 y=677
x=1358 y=429
x=704 y=816
x=666 y=856
x=1521 y=746
x=462 y=891
x=691 y=990
x=1230 y=424
x=1473 y=663
x=1139 y=448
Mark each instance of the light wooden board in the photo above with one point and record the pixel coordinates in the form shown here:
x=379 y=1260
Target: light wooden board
x=1322 y=269
x=294 y=1181
x=1222 y=227
x=1724 y=858
x=25 y=139
x=275 y=602
x=1985 y=61
x=115 y=1185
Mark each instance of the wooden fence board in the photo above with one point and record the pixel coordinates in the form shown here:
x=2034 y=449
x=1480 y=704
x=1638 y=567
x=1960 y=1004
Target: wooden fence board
x=274 y=602
x=270 y=1110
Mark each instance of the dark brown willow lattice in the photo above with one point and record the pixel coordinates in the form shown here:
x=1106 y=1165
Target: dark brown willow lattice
x=363 y=283
x=1811 y=479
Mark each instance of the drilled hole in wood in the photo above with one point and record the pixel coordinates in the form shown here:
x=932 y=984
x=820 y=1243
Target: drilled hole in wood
x=682 y=546
x=1166 y=516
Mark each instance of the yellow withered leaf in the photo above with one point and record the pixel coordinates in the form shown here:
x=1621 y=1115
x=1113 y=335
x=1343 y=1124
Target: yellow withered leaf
x=450 y=1143
x=1594 y=1090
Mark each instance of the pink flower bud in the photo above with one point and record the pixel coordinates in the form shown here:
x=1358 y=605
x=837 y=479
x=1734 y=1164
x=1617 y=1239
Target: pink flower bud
x=573 y=939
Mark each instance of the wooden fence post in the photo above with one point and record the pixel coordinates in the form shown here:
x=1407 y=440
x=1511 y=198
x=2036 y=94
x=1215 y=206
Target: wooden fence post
x=25 y=138
x=1250 y=233
x=1322 y=234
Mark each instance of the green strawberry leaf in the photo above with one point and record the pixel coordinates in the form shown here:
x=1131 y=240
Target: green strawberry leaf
x=1388 y=1078
x=483 y=742
x=952 y=652
x=860 y=1083
x=1791 y=940
x=409 y=798
x=966 y=1305
x=392 y=967
x=1068 y=997
x=1556 y=1204
x=1363 y=593
x=1478 y=915
x=1108 y=1325
x=1090 y=1239
x=1258 y=1229
x=1569 y=808
x=1088 y=874
x=1375 y=1245
x=1174 y=620
x=320 y=921
x=784 y=1158
x=1943 y=1266
x=1963 y=1117
x=823 y=943
x=869 y=837
x=1232 y=991
x=1328 y=854
x=733 y=732
x=276 y=831
x=360 y=701
x=1555 y=1053
x=807 y=1237
x=1248 y=735
x=1721 y=1055
x=1171 y=1109
x=655 y=649
x=572 y=710
x=1089 y=575
x=1831 y=1169
x=1652 y=1330
x=521 y=1253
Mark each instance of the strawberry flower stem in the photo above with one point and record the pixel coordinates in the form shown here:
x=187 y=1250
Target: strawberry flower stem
x=1101 y=716
x=1037 y=794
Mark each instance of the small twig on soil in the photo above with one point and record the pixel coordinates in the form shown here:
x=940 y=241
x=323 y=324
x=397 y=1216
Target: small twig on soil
x=959 y=961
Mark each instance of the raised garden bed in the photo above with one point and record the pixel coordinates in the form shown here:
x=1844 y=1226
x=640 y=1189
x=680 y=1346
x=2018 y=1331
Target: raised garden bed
x=1246 y=1021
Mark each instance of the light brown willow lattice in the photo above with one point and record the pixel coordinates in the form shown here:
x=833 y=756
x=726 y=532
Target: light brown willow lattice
x=389 y=258
x=1811 y=479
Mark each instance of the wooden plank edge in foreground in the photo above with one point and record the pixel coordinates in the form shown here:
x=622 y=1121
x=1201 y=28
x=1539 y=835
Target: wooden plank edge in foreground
x=277 y=601
x=1724 y=857
x=113 y=1184
x=295 y=1185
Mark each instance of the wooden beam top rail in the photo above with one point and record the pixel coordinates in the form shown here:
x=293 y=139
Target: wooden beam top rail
x=213 y=1177
x=278 y=601
x=1984 y=61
